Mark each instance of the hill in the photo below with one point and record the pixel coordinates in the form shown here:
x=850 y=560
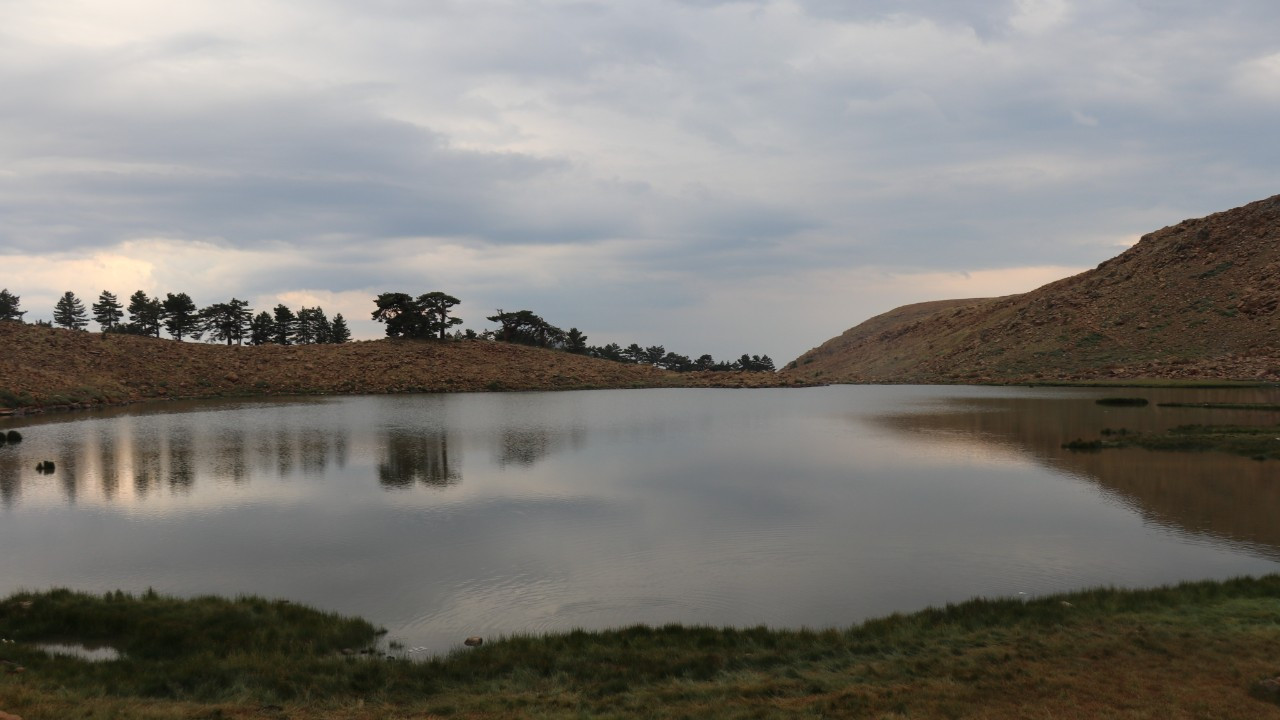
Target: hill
x=42 y=367
x=1199 y=300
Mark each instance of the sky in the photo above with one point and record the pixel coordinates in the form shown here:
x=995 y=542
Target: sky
x=716 y=177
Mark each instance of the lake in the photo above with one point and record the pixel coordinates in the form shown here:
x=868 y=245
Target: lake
x=445 y=516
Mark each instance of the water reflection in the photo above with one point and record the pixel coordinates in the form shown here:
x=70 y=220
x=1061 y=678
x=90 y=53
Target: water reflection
x=1198 y=494
x=412 y=457
x=165 y=455
x=10 y=475
x=446 y=516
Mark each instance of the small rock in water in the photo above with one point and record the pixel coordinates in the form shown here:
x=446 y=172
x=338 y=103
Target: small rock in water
x=473 y=641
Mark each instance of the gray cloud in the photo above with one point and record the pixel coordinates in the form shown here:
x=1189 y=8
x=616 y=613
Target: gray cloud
x=640 y=157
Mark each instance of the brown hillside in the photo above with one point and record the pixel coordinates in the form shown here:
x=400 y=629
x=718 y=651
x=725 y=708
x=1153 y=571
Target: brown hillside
x=1197 y=300
x=55 y=367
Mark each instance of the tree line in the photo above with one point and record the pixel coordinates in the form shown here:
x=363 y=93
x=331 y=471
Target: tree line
x=430 y=316
x=232 y=322
x=426 y=316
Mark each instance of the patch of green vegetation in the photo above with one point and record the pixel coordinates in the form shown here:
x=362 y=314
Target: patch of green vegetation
x=966 y=659
x=1259 y=443
x=1090 y=340
x=1221 y=406
x=204 y=648
x=1123 y=401
x=1216 y=270
x=1204 y=304
x=1158 y=383
x=16 y=400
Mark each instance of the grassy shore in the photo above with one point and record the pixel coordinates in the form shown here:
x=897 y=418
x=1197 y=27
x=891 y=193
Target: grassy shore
x=1195 y=650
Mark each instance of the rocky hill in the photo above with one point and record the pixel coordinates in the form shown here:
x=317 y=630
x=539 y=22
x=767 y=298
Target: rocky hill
x=47 y=367
x=1199 y=300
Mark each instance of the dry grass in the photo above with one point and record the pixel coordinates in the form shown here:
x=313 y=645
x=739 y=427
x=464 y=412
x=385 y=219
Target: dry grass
x=1194 y=301
x=42 y=367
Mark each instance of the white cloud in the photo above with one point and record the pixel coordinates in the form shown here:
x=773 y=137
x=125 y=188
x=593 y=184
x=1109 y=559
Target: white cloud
x=1035 y=17
x=1259 y=78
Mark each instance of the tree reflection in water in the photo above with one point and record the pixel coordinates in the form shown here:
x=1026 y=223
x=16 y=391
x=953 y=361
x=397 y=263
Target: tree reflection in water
x=416 y=457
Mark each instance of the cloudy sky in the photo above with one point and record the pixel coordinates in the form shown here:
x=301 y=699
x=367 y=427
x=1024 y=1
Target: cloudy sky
x=724 y=177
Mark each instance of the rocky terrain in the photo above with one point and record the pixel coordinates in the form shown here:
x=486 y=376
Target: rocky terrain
x=48 y=367
x=1196 y=301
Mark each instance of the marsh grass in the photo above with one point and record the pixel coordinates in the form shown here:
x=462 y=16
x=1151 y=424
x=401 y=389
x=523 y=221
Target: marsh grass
x=1259 y=443
x=1187 y=651
x=1222 y=406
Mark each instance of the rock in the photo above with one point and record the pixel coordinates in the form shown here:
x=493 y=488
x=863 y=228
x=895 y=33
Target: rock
x=473 y=641
x=9 y=716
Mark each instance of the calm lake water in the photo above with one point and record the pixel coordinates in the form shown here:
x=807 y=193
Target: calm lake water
x=444 y=516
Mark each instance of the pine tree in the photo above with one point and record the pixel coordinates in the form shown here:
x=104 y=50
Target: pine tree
x=180 y=315
x=307 y=329
x=435 y=306
x=69 y=312
x=285 y=325
x=145 y=314
x=9 y=306
x=261 y=329
x=575 y=342
x=107 y=311
x=339 y=333
x=227 y=321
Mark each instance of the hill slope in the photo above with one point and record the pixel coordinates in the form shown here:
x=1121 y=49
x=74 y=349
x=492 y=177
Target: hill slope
x=50 y=367
x=1196 y=300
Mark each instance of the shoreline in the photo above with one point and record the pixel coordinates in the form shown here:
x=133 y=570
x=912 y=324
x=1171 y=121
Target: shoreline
x=1191 y=650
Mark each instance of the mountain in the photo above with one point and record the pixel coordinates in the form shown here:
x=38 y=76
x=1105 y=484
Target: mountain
x=1199 y=300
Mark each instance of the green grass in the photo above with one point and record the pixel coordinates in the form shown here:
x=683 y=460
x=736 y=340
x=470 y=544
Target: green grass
x=1221 y=406
x=1156 y=383
x=1070 y=656
x=1259 y=443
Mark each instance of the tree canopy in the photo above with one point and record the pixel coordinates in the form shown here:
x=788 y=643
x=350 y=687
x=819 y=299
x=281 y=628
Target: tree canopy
x=145 y=315
x=526 y=328
x=69 y=312
x=426 y=316
x=107 y=311
x=9 y=304
x=180 y=316
x=227 y=322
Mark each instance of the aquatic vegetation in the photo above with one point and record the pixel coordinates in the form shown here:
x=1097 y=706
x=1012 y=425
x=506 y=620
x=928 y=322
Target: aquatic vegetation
x=1123 y=401
x=1259 y=443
